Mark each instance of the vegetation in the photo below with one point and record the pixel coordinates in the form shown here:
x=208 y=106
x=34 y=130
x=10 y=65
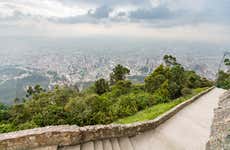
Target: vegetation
x=223 y=80
x=104 y=102
x=156 y=110
x=118 y=74
x=101 y=86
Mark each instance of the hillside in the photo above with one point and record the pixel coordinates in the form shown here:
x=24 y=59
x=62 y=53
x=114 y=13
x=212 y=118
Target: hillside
x=105 y=101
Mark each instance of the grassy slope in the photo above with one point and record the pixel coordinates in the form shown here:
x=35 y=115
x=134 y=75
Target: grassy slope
x=156 y=110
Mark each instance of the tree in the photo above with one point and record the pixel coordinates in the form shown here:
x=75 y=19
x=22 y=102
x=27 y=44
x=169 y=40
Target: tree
x=227 y=62
x=163 y=92
x=170 y=60
x=29 y=91
x=38 y=89
x=16 y=100
x=223 y=80
x=174 y=90
x=34 y=90
x=101 y=86
x=176 y=74
x=153 y=82
x=119 y=73
x=155 y=79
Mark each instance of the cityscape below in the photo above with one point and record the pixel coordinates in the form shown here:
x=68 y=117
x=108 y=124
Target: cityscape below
x=72 y=62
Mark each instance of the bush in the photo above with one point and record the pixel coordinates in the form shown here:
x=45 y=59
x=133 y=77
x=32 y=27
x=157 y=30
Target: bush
x=4 y=115
x=120 y=88
x=91 y=109
x=164 y=90
x=144 y=100
x=158 y=98
x=7 y=128
x=125 y=106
x=223 y=80
x=186 y=91
x=137 y=88
x=153 y=82
x=51 y=115
x=101 y=86
x=27 y=125
x=174 y=90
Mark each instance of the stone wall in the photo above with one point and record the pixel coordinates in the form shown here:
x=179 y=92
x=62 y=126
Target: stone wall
x=72 y=135
x=220 y=131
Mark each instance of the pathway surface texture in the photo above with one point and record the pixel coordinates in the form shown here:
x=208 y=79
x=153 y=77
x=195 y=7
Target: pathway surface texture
x=189 y=129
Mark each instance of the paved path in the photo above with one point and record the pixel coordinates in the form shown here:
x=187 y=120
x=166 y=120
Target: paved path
x=189 y=129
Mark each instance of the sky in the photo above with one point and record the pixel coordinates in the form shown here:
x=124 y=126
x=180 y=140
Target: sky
x=189 y=20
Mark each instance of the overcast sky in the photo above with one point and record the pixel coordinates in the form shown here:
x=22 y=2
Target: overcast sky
x=192 y=20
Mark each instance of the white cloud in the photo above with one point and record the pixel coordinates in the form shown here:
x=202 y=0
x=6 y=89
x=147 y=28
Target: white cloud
x=44 y=8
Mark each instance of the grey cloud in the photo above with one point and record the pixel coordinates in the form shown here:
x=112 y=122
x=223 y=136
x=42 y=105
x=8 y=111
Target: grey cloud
x=161 y=16
x=101 y=12
x=91 y=17
x=161 y=12
x=107 y=2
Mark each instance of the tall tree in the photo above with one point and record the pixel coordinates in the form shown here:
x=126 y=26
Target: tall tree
x=170 y=60
x=119 y=73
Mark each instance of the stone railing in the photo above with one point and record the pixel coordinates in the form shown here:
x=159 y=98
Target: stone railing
x=220 y=130
x=72 y=135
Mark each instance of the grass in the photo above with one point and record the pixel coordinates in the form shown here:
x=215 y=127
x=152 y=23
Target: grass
x=157 y=110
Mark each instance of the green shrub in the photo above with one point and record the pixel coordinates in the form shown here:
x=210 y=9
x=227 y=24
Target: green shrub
x=27 y=125
x=120 y=88
x=164 y=90
x=223 y=80
x=101 y=86
x=174 y=90
x=7 y=128
x=159 y=98
x=51 y=115
x=186 y=91
x=125 y=106
x=137 y=88
x=144 y=100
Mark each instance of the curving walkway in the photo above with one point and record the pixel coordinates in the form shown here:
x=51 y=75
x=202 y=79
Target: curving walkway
x=189 y=129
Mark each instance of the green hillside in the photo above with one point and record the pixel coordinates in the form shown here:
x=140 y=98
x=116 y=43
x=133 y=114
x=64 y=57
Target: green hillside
x=105 y=101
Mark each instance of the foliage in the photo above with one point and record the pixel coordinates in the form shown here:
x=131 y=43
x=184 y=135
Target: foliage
x=175 y=78
x=6 y=128
x=102 y=103
x=101 y=86
x=170 y=60
x=223 y=80
x=119 y=73
x=154 y=80
x=34 y=90
x=156 y=110
x=186 y=91
x=227 y=62
x=4 y=114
